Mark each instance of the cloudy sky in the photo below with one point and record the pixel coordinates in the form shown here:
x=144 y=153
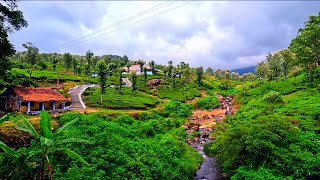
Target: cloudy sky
x=219 y=34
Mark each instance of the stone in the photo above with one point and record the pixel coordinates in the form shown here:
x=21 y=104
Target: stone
x=154 y=82
x=206 y=116
x=195 y=127
x=194 y=118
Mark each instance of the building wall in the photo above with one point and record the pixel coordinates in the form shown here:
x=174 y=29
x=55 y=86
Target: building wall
x=38 y=106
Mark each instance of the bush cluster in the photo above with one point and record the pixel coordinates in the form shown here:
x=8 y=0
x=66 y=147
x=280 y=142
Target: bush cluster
x=273 y=97
x=208 y=102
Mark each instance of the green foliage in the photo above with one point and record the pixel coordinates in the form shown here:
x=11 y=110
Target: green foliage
x=306 y=45
x=152 y=147
x=209 y=71
x=208 y=102
x=14 y=78
x=12 y=19
x=124 y=100
x=199 y=75
x=50 y=75
x=273 y=97
x=261 y=70
x=133 y=78
x=44 y=144
x=260 y=174
x=67 y=57
x=177 y=94
x=177 y=109
x=43 y=65
x=270 y=140
x=102 y=71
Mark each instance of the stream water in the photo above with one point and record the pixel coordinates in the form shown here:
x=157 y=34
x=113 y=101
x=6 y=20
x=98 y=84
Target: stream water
x=209 y=169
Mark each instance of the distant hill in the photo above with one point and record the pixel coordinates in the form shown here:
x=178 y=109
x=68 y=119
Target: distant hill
x=244 y=70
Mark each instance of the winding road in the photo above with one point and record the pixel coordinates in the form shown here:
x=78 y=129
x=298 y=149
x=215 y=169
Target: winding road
x=75 y=95
x=128 y=83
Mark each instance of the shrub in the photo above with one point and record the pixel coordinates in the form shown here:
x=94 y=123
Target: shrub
x=43 y=65
x=208 y=102
x=273 y=96
x=175 y=108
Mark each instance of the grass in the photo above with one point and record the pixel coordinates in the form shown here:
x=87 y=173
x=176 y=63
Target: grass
x=177 y=94
x=112 y=99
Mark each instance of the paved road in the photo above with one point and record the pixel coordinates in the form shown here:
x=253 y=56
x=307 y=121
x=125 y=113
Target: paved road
x=75 y=95
x=128 y=83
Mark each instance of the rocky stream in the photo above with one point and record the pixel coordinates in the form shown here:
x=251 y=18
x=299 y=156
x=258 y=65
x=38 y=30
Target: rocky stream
x=199 y=128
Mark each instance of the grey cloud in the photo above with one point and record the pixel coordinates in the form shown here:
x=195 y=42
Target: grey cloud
x=252 y=29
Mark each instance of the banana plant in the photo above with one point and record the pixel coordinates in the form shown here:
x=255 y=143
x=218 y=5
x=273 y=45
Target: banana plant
x=47 y=141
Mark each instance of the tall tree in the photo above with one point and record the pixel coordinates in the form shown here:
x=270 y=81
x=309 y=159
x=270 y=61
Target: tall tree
x=209 y=71
x=75 y=64
x=141 y=63
x=141 y=67
x=121 y=70
x=288 y=59
x=89 y=56
x=133 y=78
x=199 y=75
x=218 y=73
x=112 y=67
x=95 y=59
x=274 y=64
x=152 y=64
x=128 y=65
x=145 y=76
x=55 y=60
x=31 y=56
x=102 y=67
x=170 y=68
x=125 y=59
x=306 y=46
x=67 y=58
x=261 y=70
x=11 y=19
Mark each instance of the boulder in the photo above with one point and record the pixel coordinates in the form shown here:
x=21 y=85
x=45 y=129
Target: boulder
x=206 y=116
x=154 y=82
x=194 y=118
x=195 y=127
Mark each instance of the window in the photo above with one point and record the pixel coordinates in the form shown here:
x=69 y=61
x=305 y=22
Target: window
x=25 y=103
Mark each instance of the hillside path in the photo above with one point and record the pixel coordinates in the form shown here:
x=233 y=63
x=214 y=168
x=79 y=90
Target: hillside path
x=75 y=95
x=128 y=83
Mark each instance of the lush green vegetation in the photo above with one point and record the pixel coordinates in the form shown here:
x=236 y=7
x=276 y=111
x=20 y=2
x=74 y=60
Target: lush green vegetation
x=208 y=102
x=113 y=99
x=178 y=94
x=120 y=147
x=271 y=137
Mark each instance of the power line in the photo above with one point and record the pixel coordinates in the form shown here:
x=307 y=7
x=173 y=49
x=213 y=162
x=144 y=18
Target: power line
x=123 y=20
x=129 y=24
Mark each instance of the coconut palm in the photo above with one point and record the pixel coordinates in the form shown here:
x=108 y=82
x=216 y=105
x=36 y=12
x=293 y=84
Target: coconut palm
x=46 y=142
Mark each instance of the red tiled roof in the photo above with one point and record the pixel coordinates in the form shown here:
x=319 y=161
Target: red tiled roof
x=38 y=94
x=137 y=67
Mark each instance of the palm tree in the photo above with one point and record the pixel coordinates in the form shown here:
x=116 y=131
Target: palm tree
x=47 y=141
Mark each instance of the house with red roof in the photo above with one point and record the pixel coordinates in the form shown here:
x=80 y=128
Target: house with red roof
x=32 y=100
x=136 y=68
